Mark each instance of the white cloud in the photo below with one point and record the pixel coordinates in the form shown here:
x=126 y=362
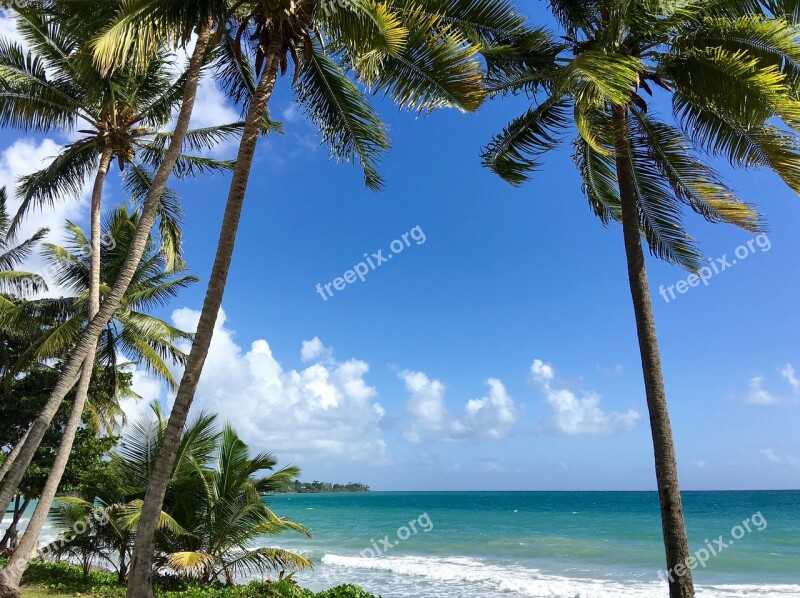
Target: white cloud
x=150 y=389
x=574 y=416
x=315 y=350
x=492 y=416
x=23 y=157
x=788 y=373
x=770 y=455
x=758 y=395
x=8 y=29
x=290 y=114
x=326 y=411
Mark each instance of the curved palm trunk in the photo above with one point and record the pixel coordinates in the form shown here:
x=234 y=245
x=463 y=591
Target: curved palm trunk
x=139 y=582
x=13 y=575
x=676 y=542
x=88 y=339
x=13 y=455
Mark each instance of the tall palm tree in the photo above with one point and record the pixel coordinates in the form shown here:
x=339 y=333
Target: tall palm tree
x=418 y=53
x=92 y=17
x=731 y=71
x=57 y=85
x=131 y=334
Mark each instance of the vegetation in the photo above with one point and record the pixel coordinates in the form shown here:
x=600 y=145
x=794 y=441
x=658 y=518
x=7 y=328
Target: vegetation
x=47 y=579
x=421 y=55
x=183 y=499
x=315 y=487
x=731 y=72
x=30 y=391
x=213 y=512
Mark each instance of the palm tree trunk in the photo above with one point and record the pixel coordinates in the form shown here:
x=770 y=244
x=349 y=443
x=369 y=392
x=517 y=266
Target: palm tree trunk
x=13 y=455
x=88 y=339
x=676 y=542
x=19 y=511
x=27 y=544
x=139 y=582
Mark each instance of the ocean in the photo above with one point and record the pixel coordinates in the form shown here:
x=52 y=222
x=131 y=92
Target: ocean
x=542 y=544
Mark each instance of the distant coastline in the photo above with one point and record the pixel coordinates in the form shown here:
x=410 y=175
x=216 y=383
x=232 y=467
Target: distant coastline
x=315 y=487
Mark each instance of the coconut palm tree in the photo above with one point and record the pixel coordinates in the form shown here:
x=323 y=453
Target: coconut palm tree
x=17 y=283
x=212 y=514
x=90 y=17
x=227 y=514
x=12 y=254
x=731 y=72
x=111 y=500
x=132 y=334
x=418 y=53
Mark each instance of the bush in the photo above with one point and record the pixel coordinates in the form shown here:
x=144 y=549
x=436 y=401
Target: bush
x=64 y=577
x=345 y=591
x=68 y=578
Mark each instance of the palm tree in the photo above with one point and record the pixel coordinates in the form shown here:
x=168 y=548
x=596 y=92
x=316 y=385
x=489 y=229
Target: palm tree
x=20 y=284
x=12 y=254
x=91 y=16
x=419 y=54
x=132 y=333
x=212 y=513
x=731 y=71
x=112 y=499
x=226 y=514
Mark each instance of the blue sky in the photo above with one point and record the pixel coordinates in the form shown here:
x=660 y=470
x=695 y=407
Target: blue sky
x=425 y=375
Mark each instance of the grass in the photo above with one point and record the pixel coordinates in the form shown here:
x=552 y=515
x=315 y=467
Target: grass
x=37 y=593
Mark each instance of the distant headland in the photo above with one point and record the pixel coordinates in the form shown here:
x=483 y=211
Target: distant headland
x=315 y=487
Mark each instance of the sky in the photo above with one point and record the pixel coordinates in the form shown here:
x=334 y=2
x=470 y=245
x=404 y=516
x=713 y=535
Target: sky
x=496 y=348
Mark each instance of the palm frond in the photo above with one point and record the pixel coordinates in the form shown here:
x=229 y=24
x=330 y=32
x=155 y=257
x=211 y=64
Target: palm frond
x=515 y=152
x=349 y=125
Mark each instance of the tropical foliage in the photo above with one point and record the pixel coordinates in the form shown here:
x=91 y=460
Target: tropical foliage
x=213 y=516
x=729 y=70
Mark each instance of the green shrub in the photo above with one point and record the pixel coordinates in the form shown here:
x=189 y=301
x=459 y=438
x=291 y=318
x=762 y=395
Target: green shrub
x=344 y=591
x=65 y=577
x=68 y=578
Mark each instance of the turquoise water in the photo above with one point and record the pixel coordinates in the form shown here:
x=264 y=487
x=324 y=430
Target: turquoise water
x=559 y=544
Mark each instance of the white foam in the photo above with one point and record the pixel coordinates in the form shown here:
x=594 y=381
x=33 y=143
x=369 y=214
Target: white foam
x=472 y=575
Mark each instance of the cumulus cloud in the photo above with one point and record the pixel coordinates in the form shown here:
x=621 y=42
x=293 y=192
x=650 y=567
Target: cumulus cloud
x=769 y=455
x=23 y=157
x=578 y=416
x=314 y=350
x=758 y=395
x=491 y=417
x=326 y=411
x=788 y=373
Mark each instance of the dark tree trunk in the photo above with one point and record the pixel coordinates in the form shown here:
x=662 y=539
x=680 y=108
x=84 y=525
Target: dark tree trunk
x=676 y=542
x=140 y=582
